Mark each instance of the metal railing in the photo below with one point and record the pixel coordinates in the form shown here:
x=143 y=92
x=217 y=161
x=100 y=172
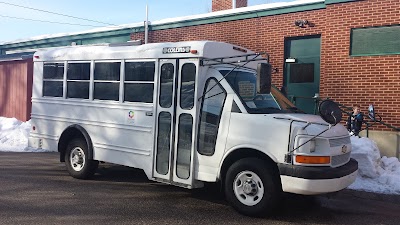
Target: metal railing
x=345 y=109
x=368 y=124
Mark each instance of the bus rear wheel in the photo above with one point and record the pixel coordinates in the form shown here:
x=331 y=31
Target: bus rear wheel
x=251 y=187
x=77 y=161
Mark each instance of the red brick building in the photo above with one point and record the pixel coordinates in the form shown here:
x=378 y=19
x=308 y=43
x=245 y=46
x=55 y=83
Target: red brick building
x=349 y=72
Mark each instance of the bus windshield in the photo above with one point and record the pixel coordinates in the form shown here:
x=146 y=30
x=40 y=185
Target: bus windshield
x=244 y=84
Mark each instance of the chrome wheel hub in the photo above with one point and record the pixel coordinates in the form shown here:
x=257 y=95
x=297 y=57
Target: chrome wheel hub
x=77 y=159
x=248 y=188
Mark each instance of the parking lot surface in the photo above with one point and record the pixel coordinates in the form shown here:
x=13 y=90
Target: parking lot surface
x=35 y=188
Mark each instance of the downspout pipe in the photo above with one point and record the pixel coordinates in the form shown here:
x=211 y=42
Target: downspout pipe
x=233 y=4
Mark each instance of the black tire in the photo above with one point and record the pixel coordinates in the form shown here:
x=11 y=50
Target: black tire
x=259 y=194
x=77 y=161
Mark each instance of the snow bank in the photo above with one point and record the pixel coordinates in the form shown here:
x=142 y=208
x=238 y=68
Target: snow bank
x=367 y=154
x=376 y=174
x=14 y=136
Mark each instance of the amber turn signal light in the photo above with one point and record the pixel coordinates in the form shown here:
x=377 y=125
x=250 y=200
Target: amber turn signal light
x=313 y=159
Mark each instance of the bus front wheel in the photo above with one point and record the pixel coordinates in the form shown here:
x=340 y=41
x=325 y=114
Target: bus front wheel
x=251 y=187
x=77 y=161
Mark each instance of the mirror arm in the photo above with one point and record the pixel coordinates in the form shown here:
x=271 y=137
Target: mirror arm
x=336 y=122
x=308 y=124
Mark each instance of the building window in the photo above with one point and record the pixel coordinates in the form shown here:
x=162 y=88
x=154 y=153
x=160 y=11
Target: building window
x=78 y=80
x=53 y=75
x=139 y=82
x=107 y=80
x=301 y=73
x=375 y=41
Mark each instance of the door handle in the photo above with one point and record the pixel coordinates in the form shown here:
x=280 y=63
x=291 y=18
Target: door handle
x=149 y=113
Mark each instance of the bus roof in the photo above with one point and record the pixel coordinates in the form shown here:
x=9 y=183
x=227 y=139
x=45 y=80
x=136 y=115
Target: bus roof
x=189 y=49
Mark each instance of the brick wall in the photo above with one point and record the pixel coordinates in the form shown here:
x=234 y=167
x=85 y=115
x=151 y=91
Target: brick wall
x=361 y=80
x=348 y=80
x=218 y=5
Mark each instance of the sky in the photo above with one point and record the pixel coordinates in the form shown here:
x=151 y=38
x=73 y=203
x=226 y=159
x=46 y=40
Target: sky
x=108 y=12
x=376 y=173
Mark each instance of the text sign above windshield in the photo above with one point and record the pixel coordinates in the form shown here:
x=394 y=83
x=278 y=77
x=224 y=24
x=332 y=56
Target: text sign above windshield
x=169 y=50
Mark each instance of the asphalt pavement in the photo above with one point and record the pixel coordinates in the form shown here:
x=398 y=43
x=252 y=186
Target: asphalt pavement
x=35 y=188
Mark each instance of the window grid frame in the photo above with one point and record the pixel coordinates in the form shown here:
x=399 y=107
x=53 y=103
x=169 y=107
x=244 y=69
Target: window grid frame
x=55 y=80
x=92 y=80
x=123 y=81
x=73 y=80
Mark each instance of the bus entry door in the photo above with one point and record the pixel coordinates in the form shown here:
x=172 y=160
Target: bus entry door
x=176 y=110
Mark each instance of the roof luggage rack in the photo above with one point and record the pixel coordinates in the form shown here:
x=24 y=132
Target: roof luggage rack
x=234 y=60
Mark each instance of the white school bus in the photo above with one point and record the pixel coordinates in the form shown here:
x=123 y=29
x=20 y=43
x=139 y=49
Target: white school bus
x=187 y=113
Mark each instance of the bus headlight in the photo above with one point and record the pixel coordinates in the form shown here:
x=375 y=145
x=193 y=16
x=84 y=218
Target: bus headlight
x=305 y=145
x=312 y=146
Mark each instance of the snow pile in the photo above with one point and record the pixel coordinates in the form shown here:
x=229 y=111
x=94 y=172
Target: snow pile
x=14 y=136
x=375 y=173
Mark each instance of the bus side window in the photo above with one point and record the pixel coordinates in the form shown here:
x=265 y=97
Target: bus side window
x=139 y=82
x=211 y=111
x=106 y=80
x=53 y=75
x=78 y=80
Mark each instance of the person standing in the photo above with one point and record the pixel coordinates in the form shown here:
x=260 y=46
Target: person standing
x=355 y=120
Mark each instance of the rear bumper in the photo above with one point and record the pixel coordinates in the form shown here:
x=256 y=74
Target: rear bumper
x=317 y=180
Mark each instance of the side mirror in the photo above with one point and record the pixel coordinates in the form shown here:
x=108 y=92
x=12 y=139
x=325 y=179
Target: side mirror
x=263 y=78
x=330 y=112
x=371 y=112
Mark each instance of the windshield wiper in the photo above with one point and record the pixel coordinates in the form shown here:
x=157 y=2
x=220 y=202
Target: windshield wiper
x=271 y=108
x=295 y=109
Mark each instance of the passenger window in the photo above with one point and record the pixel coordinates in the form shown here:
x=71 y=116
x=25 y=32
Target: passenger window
x=211 y=111
x=53 y=75
x=163 y=142
x=188 y=76
x=78 y=79
x=139 y=71
x=106 y=81
x=184 y=146
x=167 y=84
x=139 y=81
